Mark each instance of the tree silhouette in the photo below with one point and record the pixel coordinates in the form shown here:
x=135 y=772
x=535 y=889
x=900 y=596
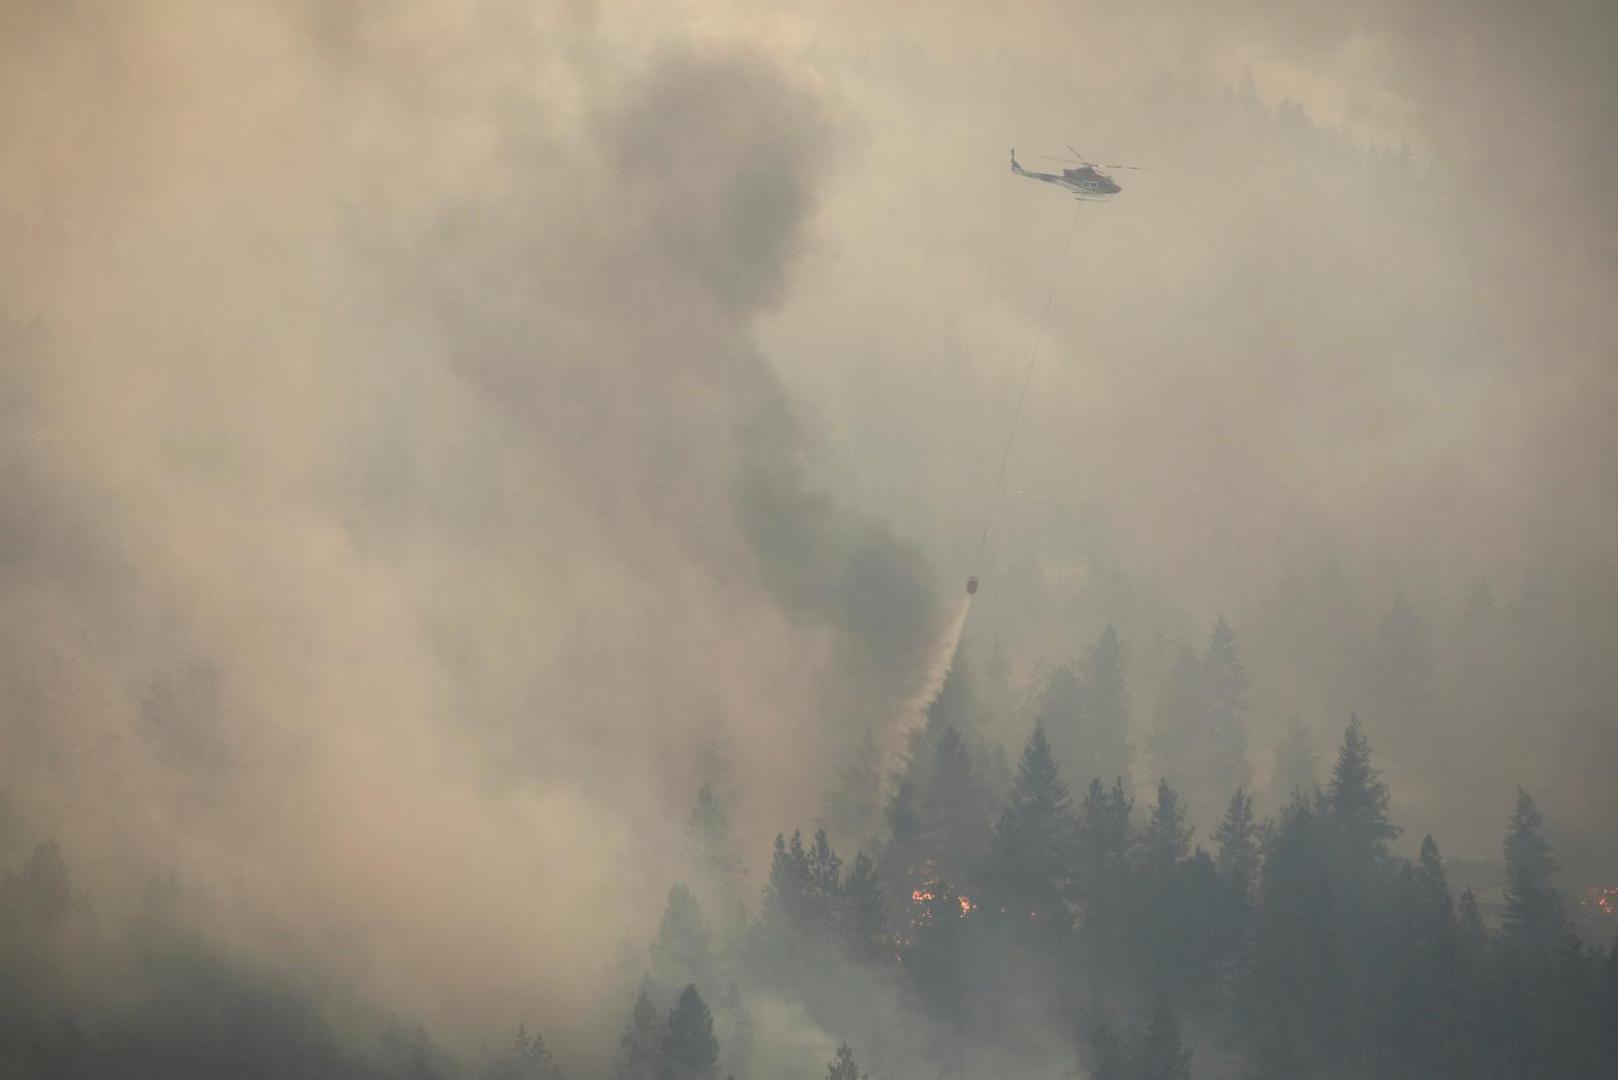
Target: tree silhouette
x=842 y=1067
x=1031 y=859
x=690 y=1051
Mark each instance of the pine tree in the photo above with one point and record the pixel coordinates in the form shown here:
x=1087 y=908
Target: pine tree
x=1474 y=936
x=1434 y=883
x=1442 y=983
x=1235 y=896
x=843 y=1067
x=1534 y=920
x=528 y=1058
x=864 y=912
x=709 y=830
x=825 y=883
x=804 y=893
x=689 y=1051
x=1060 y=712
x=1163 y=915
x=955 y=826
x=681 y=952
x=641 y=1048
x=1356 y=801
x=1031 y=859
x=1476 y=981
x=1102 y=875
x=788 y=895
x=936 y=956
x=1539 y=959
x=1165 y=841
x=1295 y=999
x=1237 y=837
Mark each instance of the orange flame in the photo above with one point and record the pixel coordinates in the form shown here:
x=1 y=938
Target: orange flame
x=1601 y=900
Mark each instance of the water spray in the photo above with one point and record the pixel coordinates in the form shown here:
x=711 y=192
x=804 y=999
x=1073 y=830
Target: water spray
x=941 y=657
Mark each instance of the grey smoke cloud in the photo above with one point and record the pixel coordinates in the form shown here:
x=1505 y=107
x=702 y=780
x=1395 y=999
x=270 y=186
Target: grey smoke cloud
x=427 y=428
x=397 y=496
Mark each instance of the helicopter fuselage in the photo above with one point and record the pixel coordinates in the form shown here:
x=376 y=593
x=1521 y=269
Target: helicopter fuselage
x=1084 y=181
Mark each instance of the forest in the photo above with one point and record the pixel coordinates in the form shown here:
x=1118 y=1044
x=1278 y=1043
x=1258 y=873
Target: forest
x=486 y=488
x=996 y=903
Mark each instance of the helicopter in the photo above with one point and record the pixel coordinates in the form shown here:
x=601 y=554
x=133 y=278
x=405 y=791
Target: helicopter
x=1085 y=180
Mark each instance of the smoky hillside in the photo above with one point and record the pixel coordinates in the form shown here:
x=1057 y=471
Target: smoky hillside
x=486 y=488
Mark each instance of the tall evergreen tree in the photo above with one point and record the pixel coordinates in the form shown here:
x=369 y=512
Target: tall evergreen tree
x=804 y=894
x=709 y=831
x=528 y=1058
x=788 y=901
x=1237 y=837
x=1237 y=867
x=1434 y=883
x=1295 y=999
x=1102 y=878
x=937 y=954
x=1444 y=981
x=1031 y=858
x=1165 y=841
x=825 y=883
x=1534 y=920
x=955 y=822
x=1059 y=711
x=864 y=911
x=842 y=1067
x=641 y=1048
x=681 y=952
x=1165 y=913
x=1356 y=801
x=690 y=1051
x=1474 y=935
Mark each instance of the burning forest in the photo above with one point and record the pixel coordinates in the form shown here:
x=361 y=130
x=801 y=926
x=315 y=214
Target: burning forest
x=486 y=486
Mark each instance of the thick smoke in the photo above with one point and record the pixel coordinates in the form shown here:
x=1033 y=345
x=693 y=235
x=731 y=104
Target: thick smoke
x=399 y=515
x=436 y=438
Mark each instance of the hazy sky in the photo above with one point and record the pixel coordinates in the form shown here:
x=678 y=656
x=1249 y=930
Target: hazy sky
x=434 y=434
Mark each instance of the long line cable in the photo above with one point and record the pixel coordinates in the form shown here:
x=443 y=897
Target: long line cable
x=1022 y=395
